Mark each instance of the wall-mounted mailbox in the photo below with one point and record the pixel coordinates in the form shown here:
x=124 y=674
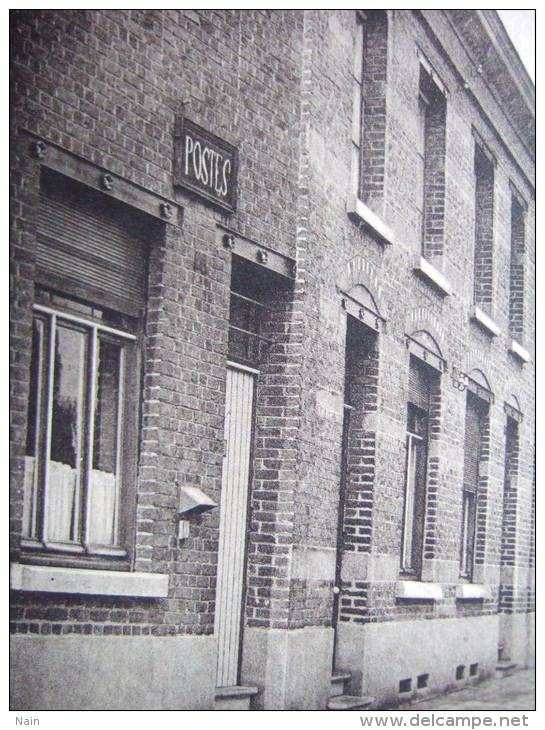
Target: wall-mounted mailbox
x=193 y=501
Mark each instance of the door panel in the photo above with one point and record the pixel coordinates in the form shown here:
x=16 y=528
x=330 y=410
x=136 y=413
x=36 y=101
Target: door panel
x=233 y=516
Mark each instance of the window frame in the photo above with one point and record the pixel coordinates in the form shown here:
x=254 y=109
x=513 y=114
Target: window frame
x=469 y=525
x=517 y=255
x=415 y=492
x=470 y=492
x=35 y=544
x=485 y=183
x=357 y=108
x=432 y=108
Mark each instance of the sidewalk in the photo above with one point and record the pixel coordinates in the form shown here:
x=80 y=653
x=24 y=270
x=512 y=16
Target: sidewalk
x=516 y=692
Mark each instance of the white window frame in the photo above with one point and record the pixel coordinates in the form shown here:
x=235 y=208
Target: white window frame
x=35 y=534
x=469 y=514
x=407 y=555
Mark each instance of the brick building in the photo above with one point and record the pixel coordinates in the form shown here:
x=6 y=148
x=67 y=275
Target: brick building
x=272 y=357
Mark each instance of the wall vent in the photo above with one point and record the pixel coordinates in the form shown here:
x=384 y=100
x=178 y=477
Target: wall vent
x=422 y=681
x=405 y=685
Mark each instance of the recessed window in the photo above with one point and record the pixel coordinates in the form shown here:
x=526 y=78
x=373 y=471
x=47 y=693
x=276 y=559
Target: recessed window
x=430 y=168
x=251 y=288
x=473 y=669
x=83 y=372
x=421 y=378
x=369 y=106
x=460 y=671
x=475 y=424
x=83 y=406
x=484 y=229
x=516 y=278
x=509 y=521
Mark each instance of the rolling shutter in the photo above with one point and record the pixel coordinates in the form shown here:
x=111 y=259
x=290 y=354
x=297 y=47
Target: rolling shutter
x=90 y=245
x=419 y=385
x=472 y=444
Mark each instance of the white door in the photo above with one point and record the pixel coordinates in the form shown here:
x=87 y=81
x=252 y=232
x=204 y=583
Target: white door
x=233 y=514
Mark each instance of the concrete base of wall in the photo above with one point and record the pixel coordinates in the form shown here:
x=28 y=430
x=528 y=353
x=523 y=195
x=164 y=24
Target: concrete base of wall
x=292 y=668
x=382 y=655
x=112 y=672
x=532 y=639
x=517 y=635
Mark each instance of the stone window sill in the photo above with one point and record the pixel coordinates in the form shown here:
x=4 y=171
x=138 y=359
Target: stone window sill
x=484 y=321
x=471 y=592
x=519 y=351
x=88 y=582
x=360 y=213
x=431 y=275
x=414 y=590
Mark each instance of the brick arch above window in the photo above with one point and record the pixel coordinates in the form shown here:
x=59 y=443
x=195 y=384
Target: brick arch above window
x=423 y=346
x=514 y=402
x=479 y=377
x=423 y=319
x=362 y=295
x=361 y=276
x=428 y=341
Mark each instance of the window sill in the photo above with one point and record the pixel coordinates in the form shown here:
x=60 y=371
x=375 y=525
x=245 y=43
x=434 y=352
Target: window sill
x=484 y=321
x=431 y=275
x=88 y=582
x=471 y=592
x=519 y=351
x=360 y=213
x=414 y=590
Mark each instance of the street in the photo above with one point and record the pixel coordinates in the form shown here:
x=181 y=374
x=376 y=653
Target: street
x=515 y=692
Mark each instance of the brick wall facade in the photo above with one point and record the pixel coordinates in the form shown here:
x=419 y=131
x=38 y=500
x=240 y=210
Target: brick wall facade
x=104 y=91
x=484 y=229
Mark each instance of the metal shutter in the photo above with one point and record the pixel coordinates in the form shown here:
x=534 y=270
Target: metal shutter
x=472 y=443
x=419 y=385
x=90 y=245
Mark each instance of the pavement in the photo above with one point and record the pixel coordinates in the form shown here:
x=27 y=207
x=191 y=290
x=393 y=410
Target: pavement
x=514 y=692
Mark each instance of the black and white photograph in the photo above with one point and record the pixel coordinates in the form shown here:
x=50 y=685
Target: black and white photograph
x=272 y=384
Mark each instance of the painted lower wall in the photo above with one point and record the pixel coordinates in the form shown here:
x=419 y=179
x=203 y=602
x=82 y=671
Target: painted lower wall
x=291 y=667
x=517 y=637
x=112 y=672
x=532 y=639
x=380 y=655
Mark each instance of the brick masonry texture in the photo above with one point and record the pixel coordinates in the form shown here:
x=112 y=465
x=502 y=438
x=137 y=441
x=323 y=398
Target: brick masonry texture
x=484 y=229
x=516 y=279
x=373 y=149
x=108 y=87
x=434 y=171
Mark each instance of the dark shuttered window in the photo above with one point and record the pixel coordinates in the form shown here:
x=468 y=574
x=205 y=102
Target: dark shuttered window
x=476 y=413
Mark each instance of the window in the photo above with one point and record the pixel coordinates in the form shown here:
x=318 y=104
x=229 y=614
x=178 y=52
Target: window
x=511 y=470
x=476 y=414
x=431 y=164
x=484 y=229
x=516 y=278
x=79 y=447
x=249 y=315
x=369 y=107
x=418 y=415
x=83 y=406
x=358 y=453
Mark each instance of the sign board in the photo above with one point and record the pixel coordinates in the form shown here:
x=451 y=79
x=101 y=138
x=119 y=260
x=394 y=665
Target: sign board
x=205 y=164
